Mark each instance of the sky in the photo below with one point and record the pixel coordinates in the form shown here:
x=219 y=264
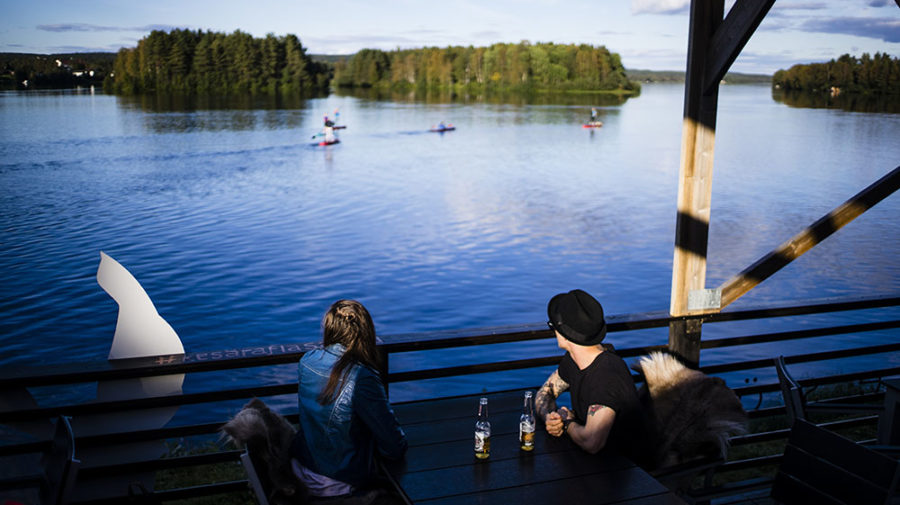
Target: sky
x=648 y=34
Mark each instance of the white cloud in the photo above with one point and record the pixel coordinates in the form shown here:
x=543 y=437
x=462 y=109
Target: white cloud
x=659 y=6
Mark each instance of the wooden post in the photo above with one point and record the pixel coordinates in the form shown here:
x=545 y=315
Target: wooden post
x=695 y=179
x=384 y=363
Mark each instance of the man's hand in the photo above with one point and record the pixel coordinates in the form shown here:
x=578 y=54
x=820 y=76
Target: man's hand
x=554 y=424
x=554 y=421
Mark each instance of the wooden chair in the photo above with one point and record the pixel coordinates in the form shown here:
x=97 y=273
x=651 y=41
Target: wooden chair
x=822 y=467
x=54 y=483
x=795 y=403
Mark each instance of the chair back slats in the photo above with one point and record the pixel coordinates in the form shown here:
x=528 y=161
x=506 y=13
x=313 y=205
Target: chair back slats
x=262 y=497
x=794 y=402
x=820 y=466
x=60 y=465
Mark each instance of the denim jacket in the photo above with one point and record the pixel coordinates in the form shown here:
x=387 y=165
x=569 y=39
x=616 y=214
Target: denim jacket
x=339 y=439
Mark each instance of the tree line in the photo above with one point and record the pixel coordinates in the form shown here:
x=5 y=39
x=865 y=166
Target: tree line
x=879 y=74
x=522 y=66
x=64 y=70
x=210 y=62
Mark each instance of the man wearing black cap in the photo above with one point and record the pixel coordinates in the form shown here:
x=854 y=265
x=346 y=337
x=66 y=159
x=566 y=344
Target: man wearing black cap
x=605 y=410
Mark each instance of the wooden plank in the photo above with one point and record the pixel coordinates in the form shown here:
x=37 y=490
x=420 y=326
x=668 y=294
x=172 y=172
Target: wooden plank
x=823 y=465
x=765 y=267
x=828 y=480
x=788 y=490
x=429 y=411
x=623 y=486
x=695 y=172
x=694 y=181
x=146 y=403
x=434 y=373
x=89 y=371
x=731 y=36
x=449 y=430
x=204 y=361
x=479 y=476
x=461 y=452
x=844 y=453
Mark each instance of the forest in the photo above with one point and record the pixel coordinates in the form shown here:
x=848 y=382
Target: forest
x=64 y=70
x=501 y=67
x=210 y=62
x=879 y=75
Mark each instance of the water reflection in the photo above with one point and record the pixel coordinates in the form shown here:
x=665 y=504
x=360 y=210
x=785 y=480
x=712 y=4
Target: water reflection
x=843 y=101
x=511 y=98
x=166 y=102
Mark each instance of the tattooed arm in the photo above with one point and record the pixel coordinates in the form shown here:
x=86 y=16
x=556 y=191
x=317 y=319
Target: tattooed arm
x=545 y=400
x=545 y=404
x=593 y=434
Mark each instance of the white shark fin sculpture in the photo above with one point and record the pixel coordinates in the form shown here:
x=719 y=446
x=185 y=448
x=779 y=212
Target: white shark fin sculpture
x=140 y=330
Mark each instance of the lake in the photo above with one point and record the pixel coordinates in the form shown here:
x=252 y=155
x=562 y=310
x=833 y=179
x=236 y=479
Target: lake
x=243 y=230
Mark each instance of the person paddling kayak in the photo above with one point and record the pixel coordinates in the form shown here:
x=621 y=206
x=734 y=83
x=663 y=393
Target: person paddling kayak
x=328 y=131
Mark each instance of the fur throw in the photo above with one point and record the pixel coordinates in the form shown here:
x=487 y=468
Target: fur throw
x=267 y=437
x=692 y=414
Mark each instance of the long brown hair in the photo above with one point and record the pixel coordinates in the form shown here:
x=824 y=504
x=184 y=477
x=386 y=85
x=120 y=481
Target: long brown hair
x=347 y=322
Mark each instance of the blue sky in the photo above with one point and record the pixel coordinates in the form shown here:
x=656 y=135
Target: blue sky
x=648 y=34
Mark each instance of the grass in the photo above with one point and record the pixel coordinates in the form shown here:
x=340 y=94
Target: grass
x=175 y=478
x=772 y=423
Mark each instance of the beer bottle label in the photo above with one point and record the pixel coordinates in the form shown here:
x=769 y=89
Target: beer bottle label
x=479 y=442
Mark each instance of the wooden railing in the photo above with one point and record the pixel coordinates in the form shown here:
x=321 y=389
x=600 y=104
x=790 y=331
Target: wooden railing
x=59 y=378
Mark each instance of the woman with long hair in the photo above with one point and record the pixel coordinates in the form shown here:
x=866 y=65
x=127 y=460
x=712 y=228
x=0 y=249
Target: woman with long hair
x=345 y=417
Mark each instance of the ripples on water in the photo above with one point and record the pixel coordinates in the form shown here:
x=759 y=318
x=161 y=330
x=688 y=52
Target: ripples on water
x=243 y=231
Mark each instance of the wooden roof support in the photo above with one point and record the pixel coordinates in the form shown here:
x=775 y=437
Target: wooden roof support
x=765 y=267
x=713 y=45
x=731 y=36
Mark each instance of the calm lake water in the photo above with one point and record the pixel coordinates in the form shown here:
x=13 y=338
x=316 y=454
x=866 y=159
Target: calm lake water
x=242 y=230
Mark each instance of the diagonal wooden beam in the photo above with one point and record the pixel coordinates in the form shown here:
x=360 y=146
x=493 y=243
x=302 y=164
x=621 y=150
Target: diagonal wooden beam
x=730 y=38
x=787 y=252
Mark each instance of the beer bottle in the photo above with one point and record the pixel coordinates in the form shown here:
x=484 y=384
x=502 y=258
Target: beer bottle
x=526 y=424
x=482 y=431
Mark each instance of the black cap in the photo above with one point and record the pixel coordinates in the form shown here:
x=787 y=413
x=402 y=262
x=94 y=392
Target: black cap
x=578 y=317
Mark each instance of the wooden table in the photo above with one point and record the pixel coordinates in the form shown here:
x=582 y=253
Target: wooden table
x=440 y=467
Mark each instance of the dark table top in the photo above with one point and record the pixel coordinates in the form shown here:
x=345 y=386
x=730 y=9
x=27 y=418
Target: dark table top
x=440 y=466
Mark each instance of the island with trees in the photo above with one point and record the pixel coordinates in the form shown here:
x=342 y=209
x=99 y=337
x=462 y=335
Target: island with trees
x=186 y=61
x=499 y=67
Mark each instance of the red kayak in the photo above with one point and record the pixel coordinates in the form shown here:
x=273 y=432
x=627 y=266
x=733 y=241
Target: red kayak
x=592 y=124
x=324 y=143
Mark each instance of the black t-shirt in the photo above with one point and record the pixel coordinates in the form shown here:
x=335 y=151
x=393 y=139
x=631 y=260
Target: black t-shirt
x=607 y=381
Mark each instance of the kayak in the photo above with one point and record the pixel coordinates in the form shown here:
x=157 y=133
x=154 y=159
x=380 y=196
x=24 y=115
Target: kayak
x=340 y=127
x=444 y=129
x=592 y=124
x=324 y=143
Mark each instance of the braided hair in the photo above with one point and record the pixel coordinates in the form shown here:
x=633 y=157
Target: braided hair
x=348 y=323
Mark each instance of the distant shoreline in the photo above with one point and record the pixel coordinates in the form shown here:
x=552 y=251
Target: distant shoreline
x=651 y=76
x=105 y=60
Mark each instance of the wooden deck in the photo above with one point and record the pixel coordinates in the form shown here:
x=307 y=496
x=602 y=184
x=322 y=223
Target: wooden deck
x=101 y=481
